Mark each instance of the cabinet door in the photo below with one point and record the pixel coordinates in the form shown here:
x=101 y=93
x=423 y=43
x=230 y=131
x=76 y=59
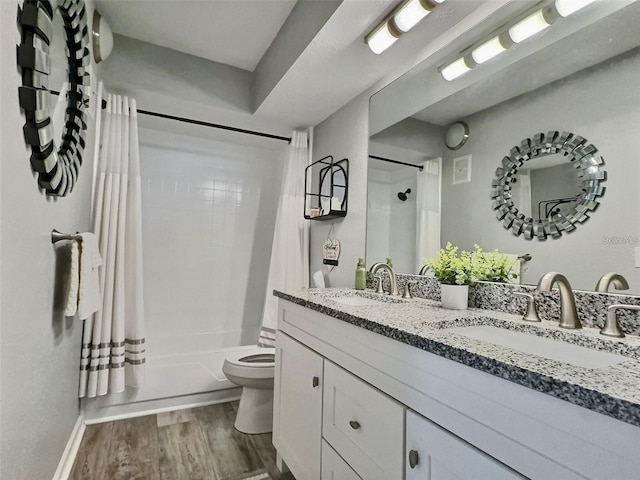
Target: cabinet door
x=334 y=467
x=433 y=453
x=297 y=408
x=362 y=424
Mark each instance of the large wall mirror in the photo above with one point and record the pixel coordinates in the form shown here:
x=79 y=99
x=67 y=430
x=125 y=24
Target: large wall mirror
x=578 y=77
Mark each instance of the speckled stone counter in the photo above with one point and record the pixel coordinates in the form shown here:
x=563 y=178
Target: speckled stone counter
x=612 y=390
x=591 y=306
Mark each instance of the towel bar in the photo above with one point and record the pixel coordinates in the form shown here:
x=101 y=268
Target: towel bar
x=56 y=236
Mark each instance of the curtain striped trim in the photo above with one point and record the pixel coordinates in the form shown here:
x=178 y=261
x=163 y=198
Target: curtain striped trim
x=267 y=337
x=112 y=355
x=113 y=366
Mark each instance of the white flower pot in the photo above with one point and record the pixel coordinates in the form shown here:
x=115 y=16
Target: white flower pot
x=454 y=297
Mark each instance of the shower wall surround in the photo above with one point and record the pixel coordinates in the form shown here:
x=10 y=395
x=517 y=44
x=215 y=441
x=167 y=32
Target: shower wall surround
x=209 y=208
x=391 y=221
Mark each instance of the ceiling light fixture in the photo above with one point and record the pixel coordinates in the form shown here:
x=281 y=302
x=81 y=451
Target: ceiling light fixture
x=402 y=19
x=523 y=28
x=529 y=26
x=489 y=49
x=456 y=69
x=567 y=7
x=382 y=37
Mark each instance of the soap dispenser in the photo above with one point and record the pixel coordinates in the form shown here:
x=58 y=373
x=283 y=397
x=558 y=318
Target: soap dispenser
x=361 y=275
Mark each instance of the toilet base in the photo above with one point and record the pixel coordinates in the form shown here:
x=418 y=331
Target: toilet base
x=255 y=413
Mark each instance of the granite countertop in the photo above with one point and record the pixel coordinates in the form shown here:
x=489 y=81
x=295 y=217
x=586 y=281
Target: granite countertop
x=611 y=390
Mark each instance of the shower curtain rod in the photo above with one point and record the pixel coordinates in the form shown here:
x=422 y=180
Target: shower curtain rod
x=202 y=123
x=397 y=162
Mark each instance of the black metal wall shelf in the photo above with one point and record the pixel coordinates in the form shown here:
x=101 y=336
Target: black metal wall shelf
x=326 y=188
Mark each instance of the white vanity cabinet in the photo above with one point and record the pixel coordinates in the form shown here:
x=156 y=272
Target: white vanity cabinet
x=435 y=454
x=334 y=467
x=297 y=408
x=351 y=404
x=363 y=424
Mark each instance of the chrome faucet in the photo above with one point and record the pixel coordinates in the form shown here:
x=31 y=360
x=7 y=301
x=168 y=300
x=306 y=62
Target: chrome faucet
x=393 y=284
x=619 y=282
x=568 y=313
x=424 y=269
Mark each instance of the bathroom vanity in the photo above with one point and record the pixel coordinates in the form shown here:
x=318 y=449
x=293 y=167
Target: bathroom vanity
x=373 y=388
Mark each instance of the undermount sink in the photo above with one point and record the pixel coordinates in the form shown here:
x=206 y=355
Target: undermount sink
x=357 y=301
x=541 y=346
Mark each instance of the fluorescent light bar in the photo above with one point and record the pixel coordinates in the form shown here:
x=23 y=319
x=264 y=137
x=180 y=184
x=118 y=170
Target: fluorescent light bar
x=381 y=38
x=455 y=69
x=488 y=50
x=410 y=14
x=567 y=7
x=528 y=27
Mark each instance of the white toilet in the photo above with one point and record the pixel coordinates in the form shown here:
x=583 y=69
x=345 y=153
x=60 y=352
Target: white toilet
x=253 y=369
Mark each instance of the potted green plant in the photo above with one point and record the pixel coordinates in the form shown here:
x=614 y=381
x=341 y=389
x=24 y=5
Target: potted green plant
x=493 y=266
x=456 y=270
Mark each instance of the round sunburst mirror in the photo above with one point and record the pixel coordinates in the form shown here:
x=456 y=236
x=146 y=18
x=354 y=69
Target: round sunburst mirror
x=55 y=158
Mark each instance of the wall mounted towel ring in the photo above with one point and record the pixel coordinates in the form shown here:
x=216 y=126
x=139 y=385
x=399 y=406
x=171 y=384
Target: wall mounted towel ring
x=57 y=168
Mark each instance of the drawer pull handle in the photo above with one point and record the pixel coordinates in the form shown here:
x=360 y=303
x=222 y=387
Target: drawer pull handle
x=315 y=382
x=355 y=425
x=413 y=458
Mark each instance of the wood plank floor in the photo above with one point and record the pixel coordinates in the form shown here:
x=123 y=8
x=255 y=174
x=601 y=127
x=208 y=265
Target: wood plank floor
x=192 y=444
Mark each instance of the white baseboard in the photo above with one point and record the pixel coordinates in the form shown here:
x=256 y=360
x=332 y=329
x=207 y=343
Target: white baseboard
x=94 y=414
x=70 y=451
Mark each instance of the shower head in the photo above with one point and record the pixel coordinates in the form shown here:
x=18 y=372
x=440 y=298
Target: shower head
x=403 y=195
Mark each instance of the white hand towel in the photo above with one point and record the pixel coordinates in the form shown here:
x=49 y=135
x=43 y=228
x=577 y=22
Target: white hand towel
x=89 y=296
x=71 y=306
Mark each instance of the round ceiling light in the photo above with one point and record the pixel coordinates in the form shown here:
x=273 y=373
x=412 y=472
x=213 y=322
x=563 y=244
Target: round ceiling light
x=457 y=135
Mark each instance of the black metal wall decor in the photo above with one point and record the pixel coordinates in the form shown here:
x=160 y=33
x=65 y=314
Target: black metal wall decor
x=326 y=189
x=589 y=172
x=57 y=168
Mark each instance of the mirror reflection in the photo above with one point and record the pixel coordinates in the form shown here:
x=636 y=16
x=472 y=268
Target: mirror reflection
x=545 y=187
x=583 y=81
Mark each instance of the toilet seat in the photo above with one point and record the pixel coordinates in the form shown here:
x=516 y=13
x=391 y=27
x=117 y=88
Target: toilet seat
x=257 y=363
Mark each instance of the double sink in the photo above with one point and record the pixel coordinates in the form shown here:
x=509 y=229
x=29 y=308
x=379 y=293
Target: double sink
x=546 y=342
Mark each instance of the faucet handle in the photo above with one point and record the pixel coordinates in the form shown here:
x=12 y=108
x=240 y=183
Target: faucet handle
x=612 y=326
x=531 y=315
x=407 y=292
x=379 y=289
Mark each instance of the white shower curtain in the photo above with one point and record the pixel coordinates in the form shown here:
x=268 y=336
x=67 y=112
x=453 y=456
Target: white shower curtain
x=290 y=252
x=113 y=344
x=428 y=212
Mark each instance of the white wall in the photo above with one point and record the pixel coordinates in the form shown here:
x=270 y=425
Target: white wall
x=602 y=105
x=344 y=134
x=209 y=209
x=39 y=348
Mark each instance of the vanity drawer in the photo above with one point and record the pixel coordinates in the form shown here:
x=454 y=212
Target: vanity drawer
x=334 y=467
x=363 y=425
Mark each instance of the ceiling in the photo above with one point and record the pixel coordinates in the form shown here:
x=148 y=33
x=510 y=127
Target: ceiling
x=607 y=38
x=233 y=32
x=280 y=63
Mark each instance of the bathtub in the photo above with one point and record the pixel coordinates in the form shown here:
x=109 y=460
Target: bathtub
x=176 y=378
